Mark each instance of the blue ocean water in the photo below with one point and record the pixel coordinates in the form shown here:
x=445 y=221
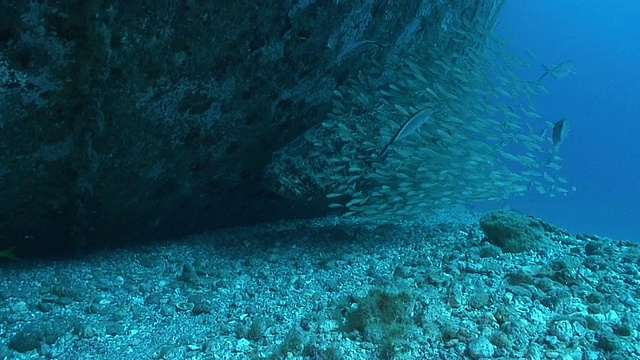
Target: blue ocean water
x=602 y=101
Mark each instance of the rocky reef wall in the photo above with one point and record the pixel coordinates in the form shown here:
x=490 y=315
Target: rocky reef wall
x=144 y=119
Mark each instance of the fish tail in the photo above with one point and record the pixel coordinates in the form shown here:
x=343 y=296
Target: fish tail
x=554 y=151
x=384 y=152
x=545 y=74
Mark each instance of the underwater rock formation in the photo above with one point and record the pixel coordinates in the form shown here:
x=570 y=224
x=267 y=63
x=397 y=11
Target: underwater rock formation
x=137 y=119
x=514 y=232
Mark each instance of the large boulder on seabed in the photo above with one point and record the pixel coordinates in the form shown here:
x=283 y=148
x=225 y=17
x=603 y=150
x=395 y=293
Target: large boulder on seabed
x=130 y=120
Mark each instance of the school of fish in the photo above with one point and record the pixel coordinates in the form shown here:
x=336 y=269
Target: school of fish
x=435 y=127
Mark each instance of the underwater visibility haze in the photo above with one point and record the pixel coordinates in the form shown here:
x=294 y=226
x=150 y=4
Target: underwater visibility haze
x=319 y=180
x=602 y=151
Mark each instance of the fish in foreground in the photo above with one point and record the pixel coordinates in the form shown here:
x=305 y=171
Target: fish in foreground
x=8 y=254
x=411 y=125
x=560 y=131
x=559 y=71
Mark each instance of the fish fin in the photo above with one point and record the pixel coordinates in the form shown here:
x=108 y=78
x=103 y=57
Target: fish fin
x=546 y=72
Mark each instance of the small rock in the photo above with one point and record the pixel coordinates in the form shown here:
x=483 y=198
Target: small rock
x=481 y=348
x=563 y=330
x=243 y=345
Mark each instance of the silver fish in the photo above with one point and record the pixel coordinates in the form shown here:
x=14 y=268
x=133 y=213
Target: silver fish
x=560 y=131
x=559 y=71
x=411 y=125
